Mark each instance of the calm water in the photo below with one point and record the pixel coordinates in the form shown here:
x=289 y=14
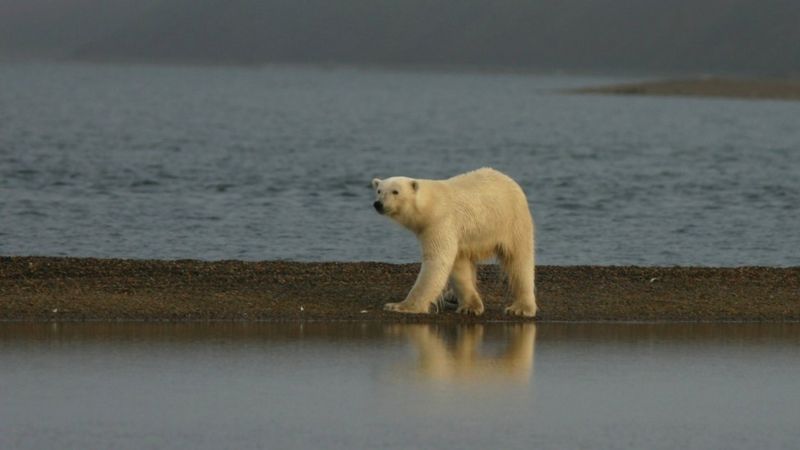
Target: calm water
x=274 y=163
x=403 y=386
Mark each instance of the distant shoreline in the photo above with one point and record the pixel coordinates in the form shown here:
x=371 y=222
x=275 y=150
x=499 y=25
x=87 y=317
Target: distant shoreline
x=730 y=86
x=768 y=89
x=51 y=289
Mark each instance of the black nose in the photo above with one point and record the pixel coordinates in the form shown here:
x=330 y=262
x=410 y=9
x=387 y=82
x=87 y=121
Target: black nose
x=378 y=206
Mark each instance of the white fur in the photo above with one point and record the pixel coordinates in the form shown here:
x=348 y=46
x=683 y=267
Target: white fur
x=458 y=222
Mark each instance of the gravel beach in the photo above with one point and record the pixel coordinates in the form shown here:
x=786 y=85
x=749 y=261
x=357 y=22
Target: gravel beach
x=86 y=289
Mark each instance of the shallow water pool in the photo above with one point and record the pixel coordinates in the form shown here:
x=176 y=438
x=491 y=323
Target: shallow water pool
x=369 y=385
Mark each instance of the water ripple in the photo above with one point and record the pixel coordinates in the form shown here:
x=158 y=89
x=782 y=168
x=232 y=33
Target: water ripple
x=276 y=164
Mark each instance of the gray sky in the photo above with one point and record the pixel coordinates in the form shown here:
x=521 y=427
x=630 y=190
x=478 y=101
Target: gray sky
x=55 y=28
x=751 y=36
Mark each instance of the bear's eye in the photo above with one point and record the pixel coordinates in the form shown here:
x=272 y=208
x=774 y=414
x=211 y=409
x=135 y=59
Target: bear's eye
x=395 y=192
x=379 y=191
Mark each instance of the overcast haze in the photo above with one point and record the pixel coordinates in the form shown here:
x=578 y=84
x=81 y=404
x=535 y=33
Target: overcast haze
x=745 y=36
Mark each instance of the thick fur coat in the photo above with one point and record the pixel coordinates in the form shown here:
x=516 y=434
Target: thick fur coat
x=459 y=222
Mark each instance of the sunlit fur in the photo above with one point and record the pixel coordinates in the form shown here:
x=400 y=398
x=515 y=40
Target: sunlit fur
x=459 y=222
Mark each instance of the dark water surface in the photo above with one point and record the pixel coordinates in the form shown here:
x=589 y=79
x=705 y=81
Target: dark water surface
x=344 y=386
x=274 y=163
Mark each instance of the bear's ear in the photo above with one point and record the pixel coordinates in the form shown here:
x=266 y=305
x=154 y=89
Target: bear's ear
x=415 y=185
x=375 y=182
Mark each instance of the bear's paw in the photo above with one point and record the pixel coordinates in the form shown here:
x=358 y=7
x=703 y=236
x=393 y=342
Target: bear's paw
x=406 y=307
x=522 y=309
x=472 y=309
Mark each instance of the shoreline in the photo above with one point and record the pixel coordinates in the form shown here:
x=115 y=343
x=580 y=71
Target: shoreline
x=719 y=87
x=60 y=289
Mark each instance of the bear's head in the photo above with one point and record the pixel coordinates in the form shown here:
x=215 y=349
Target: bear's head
x=396 y=197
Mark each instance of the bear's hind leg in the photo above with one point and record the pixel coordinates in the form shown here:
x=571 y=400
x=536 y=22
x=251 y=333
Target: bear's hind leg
x=520 y=271
x=464 y=280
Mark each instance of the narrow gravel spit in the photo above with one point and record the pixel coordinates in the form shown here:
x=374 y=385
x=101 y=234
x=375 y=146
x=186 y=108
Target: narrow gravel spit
x=86 y=289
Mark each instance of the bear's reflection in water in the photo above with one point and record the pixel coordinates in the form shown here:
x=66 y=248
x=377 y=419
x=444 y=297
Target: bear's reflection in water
x=468 y=354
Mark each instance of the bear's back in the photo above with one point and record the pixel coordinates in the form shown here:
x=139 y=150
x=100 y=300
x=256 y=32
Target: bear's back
x=485 y=184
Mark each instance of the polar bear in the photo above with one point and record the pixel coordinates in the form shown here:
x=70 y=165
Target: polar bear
x=458 y=222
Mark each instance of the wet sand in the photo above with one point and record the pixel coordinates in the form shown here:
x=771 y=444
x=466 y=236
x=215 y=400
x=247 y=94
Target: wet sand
x=775 y=89
x=86 y=289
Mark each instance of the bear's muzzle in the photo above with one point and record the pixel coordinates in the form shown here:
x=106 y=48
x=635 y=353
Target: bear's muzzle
x=378 y=206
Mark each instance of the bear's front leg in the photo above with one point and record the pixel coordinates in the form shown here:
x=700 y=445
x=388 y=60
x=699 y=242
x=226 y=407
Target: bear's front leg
x=436 y=266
